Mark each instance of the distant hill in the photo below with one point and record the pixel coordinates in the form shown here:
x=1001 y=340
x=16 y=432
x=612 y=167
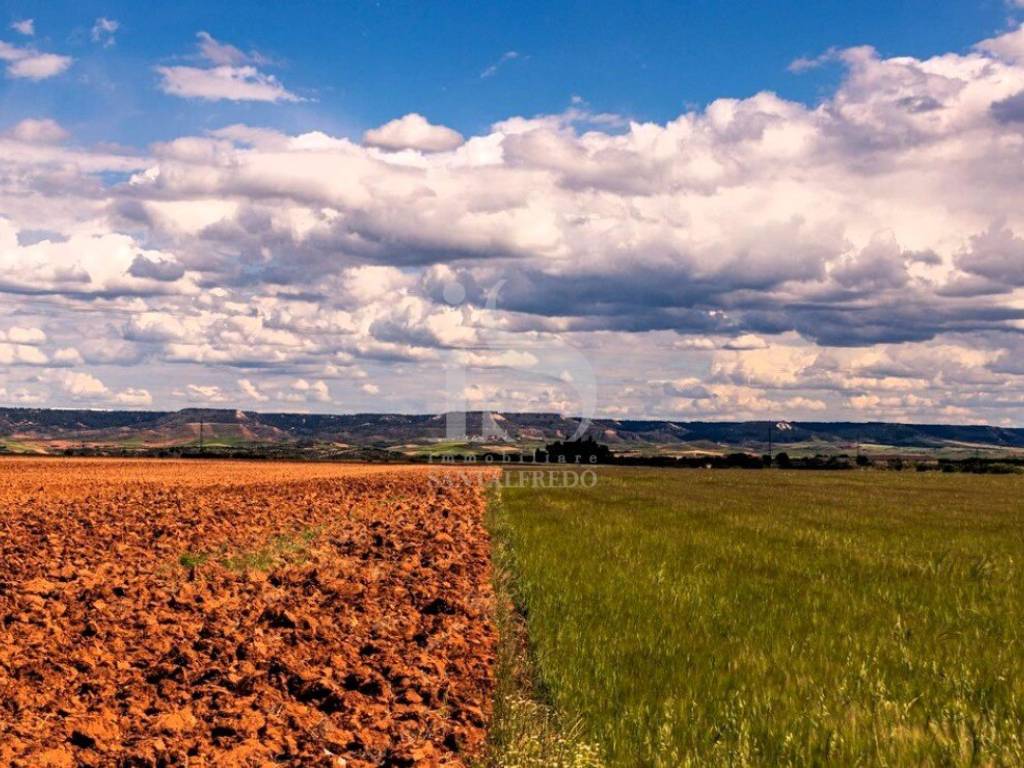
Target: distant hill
x=51 y=430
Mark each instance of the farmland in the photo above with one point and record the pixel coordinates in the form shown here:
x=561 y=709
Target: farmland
x=213 y=613
x=776 y=618
x=236 y=614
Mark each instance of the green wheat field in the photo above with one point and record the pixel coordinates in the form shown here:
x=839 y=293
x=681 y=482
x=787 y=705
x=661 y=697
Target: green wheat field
x=688 y=617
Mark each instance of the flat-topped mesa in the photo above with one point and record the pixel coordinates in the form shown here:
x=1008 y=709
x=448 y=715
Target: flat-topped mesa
x=381 y=430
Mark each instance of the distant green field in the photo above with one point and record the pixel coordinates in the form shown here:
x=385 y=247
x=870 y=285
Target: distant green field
x=694 y=617
x=16 y=446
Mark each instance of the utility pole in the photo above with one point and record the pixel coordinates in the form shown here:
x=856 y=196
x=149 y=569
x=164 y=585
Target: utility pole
x=200 y=435
x=770 y=456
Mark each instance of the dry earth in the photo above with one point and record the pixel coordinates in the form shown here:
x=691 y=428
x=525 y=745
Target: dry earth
x=158 y=613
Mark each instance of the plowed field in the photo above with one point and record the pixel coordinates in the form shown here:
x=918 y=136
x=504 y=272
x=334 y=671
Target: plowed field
x=241 y=614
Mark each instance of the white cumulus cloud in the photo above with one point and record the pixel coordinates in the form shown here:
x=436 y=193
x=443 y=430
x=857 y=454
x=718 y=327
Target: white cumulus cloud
x=232 y=75
x=38 y=131
x=251 y=391
x=25 y=62
x=413 y=131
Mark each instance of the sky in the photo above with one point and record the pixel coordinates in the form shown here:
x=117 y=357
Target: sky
x=648 y=210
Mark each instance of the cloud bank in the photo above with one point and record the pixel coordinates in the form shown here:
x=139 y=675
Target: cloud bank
x=862 y=257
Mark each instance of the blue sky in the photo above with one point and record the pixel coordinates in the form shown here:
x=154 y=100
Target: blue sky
x=361 y=63
x=684 y=210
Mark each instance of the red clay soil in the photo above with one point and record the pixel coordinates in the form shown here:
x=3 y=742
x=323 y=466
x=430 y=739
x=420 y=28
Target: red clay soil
x=230 y=614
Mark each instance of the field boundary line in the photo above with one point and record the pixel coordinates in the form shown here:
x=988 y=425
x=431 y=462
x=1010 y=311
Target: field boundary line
x=526 y=730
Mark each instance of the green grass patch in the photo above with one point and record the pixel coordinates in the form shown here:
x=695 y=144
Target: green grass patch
x=777 y=618
x=278 y=550
x=526 y=731
x=17 y=446
x=221 y=441
x=193 y=559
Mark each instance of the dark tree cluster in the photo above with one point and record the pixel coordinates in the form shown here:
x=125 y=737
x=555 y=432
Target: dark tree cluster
x=978 y=466
x=584 y=451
